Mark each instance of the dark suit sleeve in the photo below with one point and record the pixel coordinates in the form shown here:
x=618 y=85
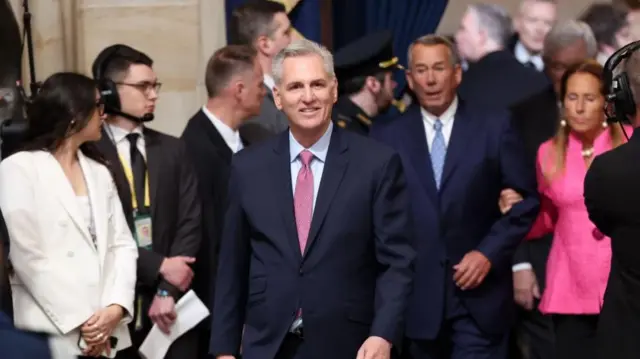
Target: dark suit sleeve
x=189 y=230
x=510 y=229
x=595 y=199
x=233 y=275
x=149 y=263
x=395 y=255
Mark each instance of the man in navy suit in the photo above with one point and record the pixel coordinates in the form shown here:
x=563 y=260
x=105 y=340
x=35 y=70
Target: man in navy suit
x=315 y=259
x=457 y=159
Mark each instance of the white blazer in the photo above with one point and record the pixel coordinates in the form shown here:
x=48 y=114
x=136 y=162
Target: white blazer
x=61 y=279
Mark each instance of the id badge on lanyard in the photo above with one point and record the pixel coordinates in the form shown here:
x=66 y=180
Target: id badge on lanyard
x=143 y=233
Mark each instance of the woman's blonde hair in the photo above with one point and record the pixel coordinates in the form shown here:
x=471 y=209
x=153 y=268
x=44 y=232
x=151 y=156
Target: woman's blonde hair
x=558 y=151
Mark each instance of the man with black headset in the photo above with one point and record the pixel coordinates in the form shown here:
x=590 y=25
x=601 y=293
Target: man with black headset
x=158 y=190
x=612 y=197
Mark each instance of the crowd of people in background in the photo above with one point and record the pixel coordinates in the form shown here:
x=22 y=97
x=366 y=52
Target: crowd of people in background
x=318 y=215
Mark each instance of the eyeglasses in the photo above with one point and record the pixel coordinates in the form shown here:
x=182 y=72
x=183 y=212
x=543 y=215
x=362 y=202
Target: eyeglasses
x=144 y=87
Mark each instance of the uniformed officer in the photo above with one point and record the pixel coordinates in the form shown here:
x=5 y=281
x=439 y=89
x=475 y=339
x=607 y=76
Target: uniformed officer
x=364 y=69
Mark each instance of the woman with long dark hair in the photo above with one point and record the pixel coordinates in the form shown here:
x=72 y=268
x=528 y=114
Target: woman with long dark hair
x=72 y=254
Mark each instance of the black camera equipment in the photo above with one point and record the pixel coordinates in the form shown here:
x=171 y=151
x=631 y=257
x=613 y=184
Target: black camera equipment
x=620 y=105
x=14 y=128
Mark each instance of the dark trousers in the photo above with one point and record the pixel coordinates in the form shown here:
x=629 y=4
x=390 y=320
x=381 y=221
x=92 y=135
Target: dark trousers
x=459 y=338
x=292 y=347
x=533 y=335
x=575 y=336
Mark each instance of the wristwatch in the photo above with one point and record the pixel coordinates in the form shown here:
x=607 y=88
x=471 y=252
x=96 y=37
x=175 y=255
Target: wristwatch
x=162 y=293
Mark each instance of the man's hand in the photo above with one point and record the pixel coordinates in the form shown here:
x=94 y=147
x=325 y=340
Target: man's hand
x=526 y=288
x=97 y=330
x=508 y=198
x=375 y=348
x=163 y=312
x=471 y=270
x=176 y=271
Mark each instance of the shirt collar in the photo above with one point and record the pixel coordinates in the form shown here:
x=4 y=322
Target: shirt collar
x=318 y=149
x=523 y=56
x=228 y=134
x=269 y=82
x=118 y=133
x=446 y=116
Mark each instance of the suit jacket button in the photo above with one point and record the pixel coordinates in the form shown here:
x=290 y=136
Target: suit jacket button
x=301 y=272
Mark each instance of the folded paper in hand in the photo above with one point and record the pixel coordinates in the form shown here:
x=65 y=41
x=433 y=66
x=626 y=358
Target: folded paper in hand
x=190 y=311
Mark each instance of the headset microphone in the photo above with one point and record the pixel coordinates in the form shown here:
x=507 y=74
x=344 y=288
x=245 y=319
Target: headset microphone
x=147 y=117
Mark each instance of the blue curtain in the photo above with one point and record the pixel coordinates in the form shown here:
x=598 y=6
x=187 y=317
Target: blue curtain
x=305 y=17
x=407 y=19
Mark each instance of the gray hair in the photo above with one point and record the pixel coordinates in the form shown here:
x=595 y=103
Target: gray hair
x=495 y=20
x=567 y=33
x=433 y=40
x=300 y=48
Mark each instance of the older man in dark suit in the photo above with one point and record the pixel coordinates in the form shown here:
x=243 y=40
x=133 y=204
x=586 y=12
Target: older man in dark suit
x=495 y=79
x=316 y=254
x=458 y=158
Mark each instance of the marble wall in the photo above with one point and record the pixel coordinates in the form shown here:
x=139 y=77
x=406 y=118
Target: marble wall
x=180 y=35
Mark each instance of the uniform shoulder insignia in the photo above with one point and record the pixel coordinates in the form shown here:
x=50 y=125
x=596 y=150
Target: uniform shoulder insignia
x=400 y=105
x=364 y=119
x=341 y=123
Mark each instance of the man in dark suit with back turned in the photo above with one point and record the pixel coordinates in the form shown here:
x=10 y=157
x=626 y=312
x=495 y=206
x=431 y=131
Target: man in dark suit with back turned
x=458 y=158
x=158 y=190
x=265 y=26
x=611 y=195
x=234 y=85
x=315 y=259
x=495 y=79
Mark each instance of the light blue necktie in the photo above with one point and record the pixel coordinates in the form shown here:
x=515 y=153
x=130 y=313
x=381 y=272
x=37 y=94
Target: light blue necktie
x=438 y=152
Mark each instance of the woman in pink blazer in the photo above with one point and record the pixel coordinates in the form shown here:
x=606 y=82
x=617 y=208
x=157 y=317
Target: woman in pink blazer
x=580 y=257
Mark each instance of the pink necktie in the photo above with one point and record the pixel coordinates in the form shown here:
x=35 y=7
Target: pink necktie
x=303 y=199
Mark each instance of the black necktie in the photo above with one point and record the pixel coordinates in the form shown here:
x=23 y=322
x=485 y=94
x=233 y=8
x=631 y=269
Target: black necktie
x=530 y=65
x=139 y=169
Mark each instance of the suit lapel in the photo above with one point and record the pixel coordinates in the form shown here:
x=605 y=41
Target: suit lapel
x=284 y=192
x=459 y=142
x=334 y=168
x=98 y=206
x=204 y=123
x=64 y=192
x=154 y=160
x=419 y=152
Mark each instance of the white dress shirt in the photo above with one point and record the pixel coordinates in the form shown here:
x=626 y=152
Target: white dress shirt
x=524 y=56
x=230 y=136
x=269 y=82
x=118 y=136
x=319 y=151
x=446 y=118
